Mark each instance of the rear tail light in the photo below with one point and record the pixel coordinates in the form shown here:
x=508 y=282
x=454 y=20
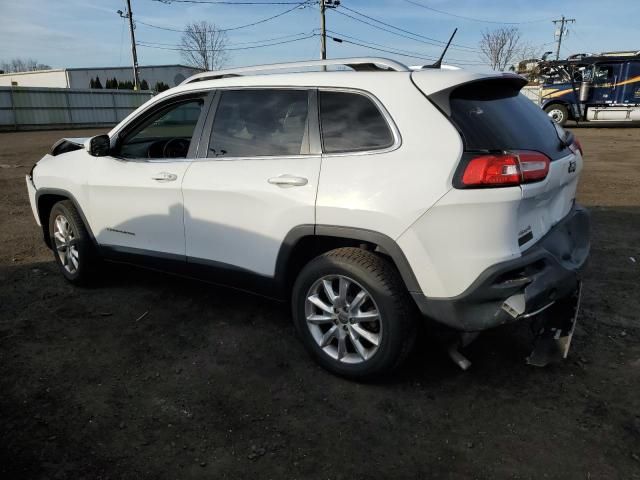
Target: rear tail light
x=504 y=169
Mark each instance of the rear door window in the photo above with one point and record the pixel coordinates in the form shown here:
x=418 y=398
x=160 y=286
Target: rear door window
x=494 y=116
x=254 y=123
x=351 y=122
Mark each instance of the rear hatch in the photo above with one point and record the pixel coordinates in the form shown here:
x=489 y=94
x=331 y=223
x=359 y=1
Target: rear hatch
x=493 y=118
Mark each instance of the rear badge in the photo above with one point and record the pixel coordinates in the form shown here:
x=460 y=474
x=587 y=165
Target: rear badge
x=572 y=166
x=524 y=236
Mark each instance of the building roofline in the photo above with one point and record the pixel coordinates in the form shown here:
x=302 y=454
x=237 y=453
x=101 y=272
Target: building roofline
x=130 y=67
x=32 y=71
x=75 y=69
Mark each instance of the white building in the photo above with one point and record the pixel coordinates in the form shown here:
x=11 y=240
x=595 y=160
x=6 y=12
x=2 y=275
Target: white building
x=172 y=75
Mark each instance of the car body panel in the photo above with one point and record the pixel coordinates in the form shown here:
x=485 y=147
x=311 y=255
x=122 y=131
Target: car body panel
x=388 y=190
x=235 y=216
x=128 y=208
x=545 y=203
x=227 y=213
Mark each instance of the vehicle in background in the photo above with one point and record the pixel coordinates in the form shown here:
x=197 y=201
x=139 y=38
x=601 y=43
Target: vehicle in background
x=592 y=88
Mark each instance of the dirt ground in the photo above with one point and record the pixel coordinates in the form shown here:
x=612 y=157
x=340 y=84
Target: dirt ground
x=212 y=383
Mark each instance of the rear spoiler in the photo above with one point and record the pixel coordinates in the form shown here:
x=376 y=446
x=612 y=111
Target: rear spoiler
x=510 y=81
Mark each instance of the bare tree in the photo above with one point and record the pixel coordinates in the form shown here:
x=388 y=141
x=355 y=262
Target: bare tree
x=500 y=47
x=203 y=46
x=22 y=65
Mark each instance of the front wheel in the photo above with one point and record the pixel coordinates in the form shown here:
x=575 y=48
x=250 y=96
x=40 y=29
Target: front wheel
x=353 y=314
x=73 y=249
x=558 y=113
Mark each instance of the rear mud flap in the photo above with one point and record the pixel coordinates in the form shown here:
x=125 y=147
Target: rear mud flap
x=553 y=339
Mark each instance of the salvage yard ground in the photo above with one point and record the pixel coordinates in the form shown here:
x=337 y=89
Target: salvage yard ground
x=212 y=383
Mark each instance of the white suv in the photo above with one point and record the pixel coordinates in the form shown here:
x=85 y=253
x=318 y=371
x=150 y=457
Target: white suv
x=362 y=196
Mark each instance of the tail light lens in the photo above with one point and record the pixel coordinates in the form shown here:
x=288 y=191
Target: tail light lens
x=504 y=169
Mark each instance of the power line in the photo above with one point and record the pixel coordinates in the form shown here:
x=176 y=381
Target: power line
x=394 y=32
x=178 y=48
x=417 y=4
x=386 y=50
x=439 y=42
x=258 y=22
x=261 y=41
x=409 y=53
x=340 y=40
x=223 y=2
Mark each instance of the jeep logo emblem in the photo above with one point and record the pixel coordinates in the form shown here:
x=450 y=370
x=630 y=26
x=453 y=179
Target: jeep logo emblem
x=572 y=166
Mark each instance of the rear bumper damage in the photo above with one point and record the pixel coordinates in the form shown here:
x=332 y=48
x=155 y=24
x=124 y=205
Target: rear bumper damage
x=521 y=288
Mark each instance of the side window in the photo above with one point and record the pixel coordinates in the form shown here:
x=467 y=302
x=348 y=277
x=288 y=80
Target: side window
x=254 y=123
x=351 y=122
x=165 y=134
x=603 y=74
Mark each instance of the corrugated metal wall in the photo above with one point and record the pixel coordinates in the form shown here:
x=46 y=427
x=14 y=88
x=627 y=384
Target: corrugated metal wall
x=532 y=92
x=30 y=108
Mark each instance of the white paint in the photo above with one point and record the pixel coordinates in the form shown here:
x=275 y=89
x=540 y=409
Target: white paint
x=227 y=210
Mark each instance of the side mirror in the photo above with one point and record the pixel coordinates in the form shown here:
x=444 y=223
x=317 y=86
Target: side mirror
x=98 y=146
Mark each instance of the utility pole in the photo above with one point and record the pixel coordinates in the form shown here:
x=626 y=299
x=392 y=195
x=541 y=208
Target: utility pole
x=323 y=32
x=562 y=22
x=324 y=4
x=129 y=15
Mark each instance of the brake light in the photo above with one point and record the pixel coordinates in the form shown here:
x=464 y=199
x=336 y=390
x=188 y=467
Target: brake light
x=505 y=169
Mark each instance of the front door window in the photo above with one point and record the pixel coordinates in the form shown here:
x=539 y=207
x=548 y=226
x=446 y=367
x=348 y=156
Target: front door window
x=166 y=133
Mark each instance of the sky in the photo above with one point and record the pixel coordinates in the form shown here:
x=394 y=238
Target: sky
x=89 y=33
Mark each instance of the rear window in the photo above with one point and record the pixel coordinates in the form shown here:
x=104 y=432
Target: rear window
x=493 y=115
x=351 y=122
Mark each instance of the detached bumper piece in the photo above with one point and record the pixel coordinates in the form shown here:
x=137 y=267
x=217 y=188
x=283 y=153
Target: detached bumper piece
x=518 y=289
x=554 y=337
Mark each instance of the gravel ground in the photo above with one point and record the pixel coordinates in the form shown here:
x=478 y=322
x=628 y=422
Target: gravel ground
x=212 y=383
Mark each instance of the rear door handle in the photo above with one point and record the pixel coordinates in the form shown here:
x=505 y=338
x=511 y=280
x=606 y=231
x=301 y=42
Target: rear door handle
x=287 y=180
x=165 y=177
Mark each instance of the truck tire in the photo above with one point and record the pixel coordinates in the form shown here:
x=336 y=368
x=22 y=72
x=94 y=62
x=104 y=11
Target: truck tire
x=72 y=247
x=353 y=313
x=558 y=113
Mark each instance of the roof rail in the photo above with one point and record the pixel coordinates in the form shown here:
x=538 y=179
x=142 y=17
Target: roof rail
x=356 y=63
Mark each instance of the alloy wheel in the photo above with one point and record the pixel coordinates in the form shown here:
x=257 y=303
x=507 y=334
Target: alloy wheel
x=343 y=319
x=66 y=244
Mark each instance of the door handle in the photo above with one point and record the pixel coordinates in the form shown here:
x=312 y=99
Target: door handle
x=165 y=177
x=287 y=180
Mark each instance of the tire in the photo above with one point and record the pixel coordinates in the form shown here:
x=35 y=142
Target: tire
x=72 y=246
x=558 y=113
x=393 y=328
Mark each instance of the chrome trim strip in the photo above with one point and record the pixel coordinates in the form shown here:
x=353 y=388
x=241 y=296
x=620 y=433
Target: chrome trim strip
x=540 y=310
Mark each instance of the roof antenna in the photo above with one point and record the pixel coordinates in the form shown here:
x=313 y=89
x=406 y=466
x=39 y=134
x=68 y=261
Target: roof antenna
x=438 y=63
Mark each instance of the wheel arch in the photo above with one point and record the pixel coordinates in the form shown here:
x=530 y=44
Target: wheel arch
x=46 y=198
x=305 y=242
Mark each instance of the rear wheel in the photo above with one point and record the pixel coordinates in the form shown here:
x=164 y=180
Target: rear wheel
x=558 y=113
x=352 y=311
x=73 y=249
